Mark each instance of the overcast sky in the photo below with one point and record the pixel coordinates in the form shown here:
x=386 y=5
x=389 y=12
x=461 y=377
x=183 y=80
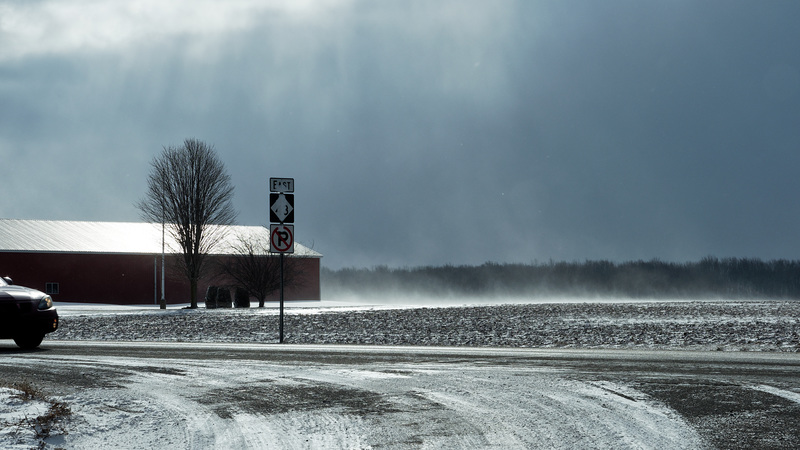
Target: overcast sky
x=423 y=132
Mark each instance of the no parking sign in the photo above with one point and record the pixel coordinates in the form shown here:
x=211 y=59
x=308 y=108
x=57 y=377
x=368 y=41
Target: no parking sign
x=281 y=238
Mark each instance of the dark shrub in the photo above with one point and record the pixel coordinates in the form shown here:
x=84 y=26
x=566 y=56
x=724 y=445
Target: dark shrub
x=211 y=297
x=224 y=297
x=242 y=298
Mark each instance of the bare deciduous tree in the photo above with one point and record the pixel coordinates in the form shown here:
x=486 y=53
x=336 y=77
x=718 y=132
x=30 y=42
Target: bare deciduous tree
x=189 y=191
x=258 y=271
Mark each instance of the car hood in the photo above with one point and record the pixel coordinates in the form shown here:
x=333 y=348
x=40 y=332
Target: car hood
x=19 y=293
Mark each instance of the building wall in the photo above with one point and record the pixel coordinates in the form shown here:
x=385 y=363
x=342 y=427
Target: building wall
x=121 y=278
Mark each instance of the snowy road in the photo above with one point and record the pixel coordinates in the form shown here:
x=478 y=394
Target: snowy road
x=190 y=395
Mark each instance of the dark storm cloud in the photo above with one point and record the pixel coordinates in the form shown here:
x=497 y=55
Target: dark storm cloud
x=429 y=132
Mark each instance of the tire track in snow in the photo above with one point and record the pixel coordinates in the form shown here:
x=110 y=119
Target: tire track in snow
x=314 y=429
x=153 y=406
x=513 y=408
x=561 y=413
x=788 y=395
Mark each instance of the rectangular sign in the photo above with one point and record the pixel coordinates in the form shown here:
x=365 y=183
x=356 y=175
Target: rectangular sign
x=281 y=184
x=281 y=238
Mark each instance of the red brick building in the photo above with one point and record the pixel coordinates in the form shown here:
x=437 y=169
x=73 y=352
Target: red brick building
x=120 y=263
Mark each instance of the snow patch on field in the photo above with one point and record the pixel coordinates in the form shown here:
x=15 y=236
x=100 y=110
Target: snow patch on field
x=686 y=325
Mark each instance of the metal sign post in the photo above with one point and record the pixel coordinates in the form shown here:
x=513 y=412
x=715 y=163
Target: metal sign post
x=281 y=236
x=280 y=324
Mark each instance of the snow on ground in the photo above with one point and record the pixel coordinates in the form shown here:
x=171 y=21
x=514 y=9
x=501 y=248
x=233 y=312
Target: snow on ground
x=162 y=404
x=16 y=414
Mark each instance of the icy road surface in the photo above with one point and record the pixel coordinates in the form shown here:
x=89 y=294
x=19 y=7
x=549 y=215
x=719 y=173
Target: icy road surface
x=189 y=395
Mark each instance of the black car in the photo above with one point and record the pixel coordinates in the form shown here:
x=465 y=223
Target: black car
x=26 y=315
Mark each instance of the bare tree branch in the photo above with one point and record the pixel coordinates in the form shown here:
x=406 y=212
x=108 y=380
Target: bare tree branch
x=257 y=270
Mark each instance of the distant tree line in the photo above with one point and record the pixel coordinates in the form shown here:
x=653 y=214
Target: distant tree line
x=730 y=278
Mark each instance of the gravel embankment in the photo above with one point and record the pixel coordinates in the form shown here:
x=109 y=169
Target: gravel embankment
x=702 y=325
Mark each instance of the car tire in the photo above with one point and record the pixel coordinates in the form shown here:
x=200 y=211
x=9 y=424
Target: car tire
x=29 y=341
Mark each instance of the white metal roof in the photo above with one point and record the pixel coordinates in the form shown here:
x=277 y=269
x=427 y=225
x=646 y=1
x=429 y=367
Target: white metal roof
x=59 y=236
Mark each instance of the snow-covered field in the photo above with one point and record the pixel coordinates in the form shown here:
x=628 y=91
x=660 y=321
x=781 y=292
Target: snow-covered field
x=691 y=325
x=154 y=402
